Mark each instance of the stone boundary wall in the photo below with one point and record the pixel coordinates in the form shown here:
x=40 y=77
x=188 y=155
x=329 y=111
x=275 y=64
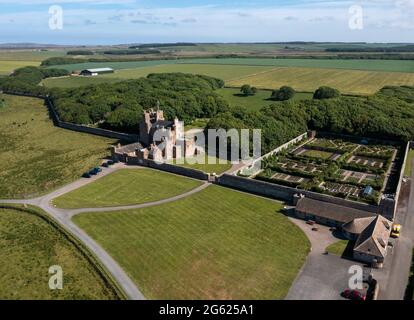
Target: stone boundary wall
x=286 y=193
x=407 y=149
x=78 y=127
x=187 y=172
x=278 y=149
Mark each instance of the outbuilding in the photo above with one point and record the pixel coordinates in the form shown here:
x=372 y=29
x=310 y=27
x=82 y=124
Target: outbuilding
x=95 y=72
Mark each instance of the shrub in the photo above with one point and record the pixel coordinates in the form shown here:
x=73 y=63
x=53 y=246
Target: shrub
x=282 y=94
x=326 y=93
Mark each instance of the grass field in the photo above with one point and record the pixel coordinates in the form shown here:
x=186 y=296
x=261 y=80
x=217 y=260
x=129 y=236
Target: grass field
x=7 y=67
x=338 y=248
x=30 y=245
x=222 y=72
x=256 y=102
x=211 y=164
x=215 y=244
x=29 y=55
x=127 y=187
x=357 y=64
x=409 y=166
x=37 y=157
x=309 y=79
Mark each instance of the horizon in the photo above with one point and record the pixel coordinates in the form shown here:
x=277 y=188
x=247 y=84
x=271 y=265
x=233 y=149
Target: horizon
x=111 y=22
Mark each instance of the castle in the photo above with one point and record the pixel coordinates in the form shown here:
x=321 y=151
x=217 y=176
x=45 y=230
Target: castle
x=159 y=140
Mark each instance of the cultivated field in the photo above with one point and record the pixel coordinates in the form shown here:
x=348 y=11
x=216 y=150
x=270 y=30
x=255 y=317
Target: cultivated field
x=367 y=65
x=222 y=72
x=30 y=245
x=11 y=60
x=37 y=157
x=7 y=67
x=215 y=244
x=309 y=79
x=127 y=187
x=304 y=75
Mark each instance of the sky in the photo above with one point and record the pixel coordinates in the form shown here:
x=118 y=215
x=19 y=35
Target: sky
x=102 y=22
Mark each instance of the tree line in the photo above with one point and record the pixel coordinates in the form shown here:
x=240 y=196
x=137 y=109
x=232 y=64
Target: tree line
x=389 y=114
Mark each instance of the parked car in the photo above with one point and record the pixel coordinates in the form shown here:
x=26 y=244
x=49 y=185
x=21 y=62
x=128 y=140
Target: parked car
x=395 y=232
x=105 y=165
x=110 y=162
x=95 y=171
x=86 y=175
x=353 y=295
x=315 y=229
x=310 y=222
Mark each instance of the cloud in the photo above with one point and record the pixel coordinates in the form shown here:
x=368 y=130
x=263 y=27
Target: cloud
x=188 y=20
x=89 y=22
x=290 y=18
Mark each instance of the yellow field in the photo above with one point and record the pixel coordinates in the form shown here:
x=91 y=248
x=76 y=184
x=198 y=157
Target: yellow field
x=7 y=67
x=264 y=77
x=309 y=79
x=225 y=72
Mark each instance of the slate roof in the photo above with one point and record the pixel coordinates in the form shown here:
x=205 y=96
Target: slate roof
x=130 y=148
x=330 y=210
x=374 y=239
x=358 y=225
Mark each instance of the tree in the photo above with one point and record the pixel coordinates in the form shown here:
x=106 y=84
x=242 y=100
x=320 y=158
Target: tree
x=248 y=90
x=282 y=94
x=2 y=102
x=326 y=93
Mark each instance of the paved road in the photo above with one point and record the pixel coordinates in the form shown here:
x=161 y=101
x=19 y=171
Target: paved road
x=394 y=276
x=323 y=277
x=63 y=216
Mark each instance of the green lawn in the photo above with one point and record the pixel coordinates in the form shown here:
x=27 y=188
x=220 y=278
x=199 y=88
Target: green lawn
x=256 y=102
x=317 y=154
x=127 y=187
x=37 y=157
x=408 y=166
x=211 y=164
x=338 y=247
x=29 y=245
x=215 y=244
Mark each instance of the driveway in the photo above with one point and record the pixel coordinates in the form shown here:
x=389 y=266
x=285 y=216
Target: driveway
x=323 y=277
x=393 y=278
x=63 y=217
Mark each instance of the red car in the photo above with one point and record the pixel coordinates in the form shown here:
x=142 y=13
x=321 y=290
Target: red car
x=353 y=295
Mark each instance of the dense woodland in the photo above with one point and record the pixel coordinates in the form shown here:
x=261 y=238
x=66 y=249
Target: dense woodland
x=387 y=114
x=119 y=106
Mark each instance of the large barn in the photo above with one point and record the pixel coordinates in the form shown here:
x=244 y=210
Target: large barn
x=95 y=72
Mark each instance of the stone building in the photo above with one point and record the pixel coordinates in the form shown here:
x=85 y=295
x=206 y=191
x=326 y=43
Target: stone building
x=369 y=231
x=160 y=140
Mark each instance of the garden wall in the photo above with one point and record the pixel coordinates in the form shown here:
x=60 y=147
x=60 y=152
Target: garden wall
x=187 y=172
x=286 y=193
